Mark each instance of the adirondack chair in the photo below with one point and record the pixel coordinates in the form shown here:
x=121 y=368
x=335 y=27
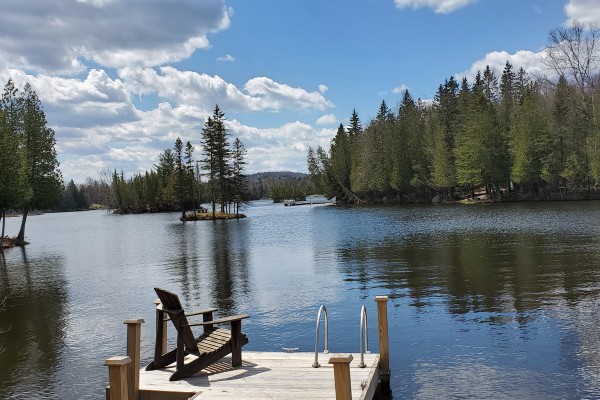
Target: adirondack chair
x=208 y=348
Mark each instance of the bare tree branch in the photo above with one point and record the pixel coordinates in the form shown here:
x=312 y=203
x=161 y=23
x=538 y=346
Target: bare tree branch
x=574 y=53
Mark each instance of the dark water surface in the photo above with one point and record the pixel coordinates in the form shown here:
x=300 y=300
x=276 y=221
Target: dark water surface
x=486 y=301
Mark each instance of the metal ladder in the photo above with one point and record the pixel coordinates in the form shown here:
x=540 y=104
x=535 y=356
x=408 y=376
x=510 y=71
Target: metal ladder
x=326 y=350
x=364 y=337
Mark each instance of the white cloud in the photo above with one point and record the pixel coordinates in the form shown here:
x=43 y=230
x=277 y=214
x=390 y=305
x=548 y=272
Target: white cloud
x=586 y=11
x=187 y=87
x=97 y=125
x=281 y=148
x=328 y=119
x=323 y=89
x=279 y=95
x=439 y=6
x=97 y=99
x=530 y=61
x=226 y=58
x=400 y=89
x=59 y=36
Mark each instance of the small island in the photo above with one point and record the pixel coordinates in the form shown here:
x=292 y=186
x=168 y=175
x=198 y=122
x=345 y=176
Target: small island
x=205 y=215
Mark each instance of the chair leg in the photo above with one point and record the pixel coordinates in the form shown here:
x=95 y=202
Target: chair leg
x=236 y=343
x=158 y=348
x=180 y=351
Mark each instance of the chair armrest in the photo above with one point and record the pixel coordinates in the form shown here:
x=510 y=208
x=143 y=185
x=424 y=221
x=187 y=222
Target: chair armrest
x=221 y=320
x=200 y=312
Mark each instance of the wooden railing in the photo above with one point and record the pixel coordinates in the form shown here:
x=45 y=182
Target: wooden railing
x=124 y=371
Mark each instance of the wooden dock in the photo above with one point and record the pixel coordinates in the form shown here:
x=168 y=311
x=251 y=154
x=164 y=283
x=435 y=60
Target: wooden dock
x=263 y=375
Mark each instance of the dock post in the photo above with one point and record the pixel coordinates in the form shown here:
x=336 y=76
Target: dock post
x=384 y=348
x=160 y=314
x=134 y=334
x=341 y=373
x=117 y=377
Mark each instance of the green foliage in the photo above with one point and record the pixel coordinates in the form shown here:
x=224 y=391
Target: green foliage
x=494 y=134
x=175 y=181
x=280 y=190
x=30 y=178
x=529 y=139
x=73 y=198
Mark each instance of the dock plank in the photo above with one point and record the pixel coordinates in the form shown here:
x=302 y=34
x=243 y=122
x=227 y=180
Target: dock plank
x=266 y=375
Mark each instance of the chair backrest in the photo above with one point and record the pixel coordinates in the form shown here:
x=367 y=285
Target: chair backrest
x=170 y=301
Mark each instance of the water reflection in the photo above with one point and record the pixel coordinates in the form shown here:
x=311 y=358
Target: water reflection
x=34 y=323
x=211 y=263
x=475 y=272
x=511 y=306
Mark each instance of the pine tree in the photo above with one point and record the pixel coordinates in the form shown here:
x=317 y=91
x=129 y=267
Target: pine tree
x=530 y=138
x=239 y=180
x=217 y=155
x=180 y=171
x=41 y=166
x=401 y=148
x=166 y=179
x=13 y=184
x=189 y=174
x=208 y=162
x=340 y=157
x=355 y=137
x=490 y=83
x=443 y=124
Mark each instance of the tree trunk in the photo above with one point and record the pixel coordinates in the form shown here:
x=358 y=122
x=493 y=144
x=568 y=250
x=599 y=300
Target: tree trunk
x=21 y=236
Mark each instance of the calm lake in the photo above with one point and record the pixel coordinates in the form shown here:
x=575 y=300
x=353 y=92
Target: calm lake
x=486 y=301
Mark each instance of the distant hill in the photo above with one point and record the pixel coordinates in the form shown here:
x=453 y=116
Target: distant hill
x=277 y=175
x=279 y=185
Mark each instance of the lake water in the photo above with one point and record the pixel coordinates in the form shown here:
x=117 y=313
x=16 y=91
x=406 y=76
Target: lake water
x=490 y=300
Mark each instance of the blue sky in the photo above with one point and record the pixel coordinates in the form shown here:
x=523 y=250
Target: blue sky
x=120 y=80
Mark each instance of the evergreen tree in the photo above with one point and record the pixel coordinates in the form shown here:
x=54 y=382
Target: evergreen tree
x=166 y=179
x=208 y=162
x=490 y=84
x=41 y=166
x=559 y=143
x=217 y=155
x=442 y=124
x=189 y=174
x=401 y=145
x=356 y=138
x=340 y=157
x=530 y=137
x=180 y=171
x=13 y=185
x=239 y=180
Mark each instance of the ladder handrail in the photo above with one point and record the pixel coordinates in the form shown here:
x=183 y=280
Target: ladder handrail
x=326 y=350
x=364 y=336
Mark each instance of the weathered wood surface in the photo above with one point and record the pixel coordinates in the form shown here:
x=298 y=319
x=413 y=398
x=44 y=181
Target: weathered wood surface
x=264 y=375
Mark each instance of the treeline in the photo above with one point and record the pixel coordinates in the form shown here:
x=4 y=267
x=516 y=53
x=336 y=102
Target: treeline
x=279 y=186
x=513 y=136
x=180 y=182
x=29 y=174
